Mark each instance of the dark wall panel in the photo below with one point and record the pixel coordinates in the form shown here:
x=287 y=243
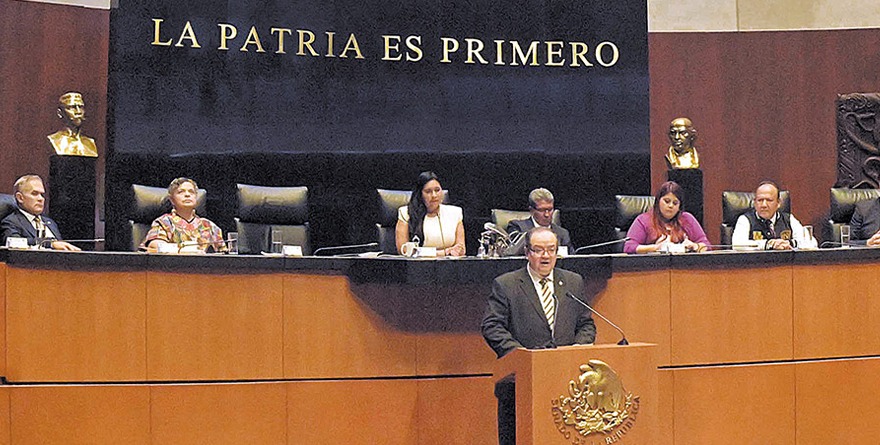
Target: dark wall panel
x=45 y=51
x=763 y=105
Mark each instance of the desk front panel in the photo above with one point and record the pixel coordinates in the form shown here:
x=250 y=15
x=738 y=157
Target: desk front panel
x=75 y=326
x=731 y=315
x=836 y=310
x=214 y=327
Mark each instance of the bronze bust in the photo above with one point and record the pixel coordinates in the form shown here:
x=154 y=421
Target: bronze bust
x=69 y=141
x=682 y=154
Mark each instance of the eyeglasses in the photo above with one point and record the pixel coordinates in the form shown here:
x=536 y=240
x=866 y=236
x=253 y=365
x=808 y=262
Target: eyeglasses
x=541 y=251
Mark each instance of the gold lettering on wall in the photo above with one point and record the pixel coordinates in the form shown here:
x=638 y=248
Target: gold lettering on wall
x=157 y=25
x=253 y=39
x=227 y=32
x=398 y=48
x=188 y=34
x=281 y=32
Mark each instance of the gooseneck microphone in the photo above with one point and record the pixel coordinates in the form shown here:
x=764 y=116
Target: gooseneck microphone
x=495 y=229
x=343 y=248
x=622 y=335
x=606 y=243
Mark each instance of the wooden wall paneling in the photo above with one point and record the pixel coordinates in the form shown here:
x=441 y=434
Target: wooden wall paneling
x=48 y=50
x=457 y=411
x=78 y=414
x=5 y=424
x=763 y=105
x=372 y=411
x=836 y=314
x=731 y=315
x=447 y=328
x=75 y=325
x=3 y=319
x=838 y=401
x=666 y=407
x=213 y=326
x=639 y=303
x=219 y=413
x=330 y=331
x=736 y=405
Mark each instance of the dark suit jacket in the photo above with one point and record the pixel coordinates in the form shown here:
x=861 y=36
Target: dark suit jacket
x=16 y=224
x=514 y=316
x=865 y=220
x=524 y=225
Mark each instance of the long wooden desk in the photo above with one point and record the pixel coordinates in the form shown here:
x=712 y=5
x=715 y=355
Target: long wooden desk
x=738 y=334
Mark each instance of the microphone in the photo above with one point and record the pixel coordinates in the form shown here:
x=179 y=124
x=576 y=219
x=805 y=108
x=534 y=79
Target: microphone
x=622 y=335
x=52 y=240
x=837 y=244
x=606 y=243
x=495 y=229
x=344 y=248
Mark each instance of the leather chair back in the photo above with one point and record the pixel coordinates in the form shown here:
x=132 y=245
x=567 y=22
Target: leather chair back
x=843 y=205
x=502 y=217
x=7 y=205
x=627 y=209
x=389 y=202
x=150 y=203
x=734 y=204
x=264 y=209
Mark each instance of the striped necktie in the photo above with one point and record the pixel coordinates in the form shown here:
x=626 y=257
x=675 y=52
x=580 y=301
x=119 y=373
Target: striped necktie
x=547 y=302
x=41 y=229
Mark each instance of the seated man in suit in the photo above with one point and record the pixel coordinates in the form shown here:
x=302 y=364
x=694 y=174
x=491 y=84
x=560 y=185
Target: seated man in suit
x=865 y=223
x=28 y=221
x=765 y=226
x=541 y=210
x=531 y=308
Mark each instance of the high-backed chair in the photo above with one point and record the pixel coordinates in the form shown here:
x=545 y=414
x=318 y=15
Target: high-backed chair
x=627 y=209
x=264 y=209
x=148 y=204
x=734 y=204
x=389 y=202
x=7 y=206
x=843 y=205
x=501 y=217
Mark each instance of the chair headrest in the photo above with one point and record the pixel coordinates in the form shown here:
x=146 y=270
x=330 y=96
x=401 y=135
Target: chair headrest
x=629 y=207
x=844 y=200
x=734 y=204
x=7 y=205
x=150 y=203
x=273 y=205
x=503 y=217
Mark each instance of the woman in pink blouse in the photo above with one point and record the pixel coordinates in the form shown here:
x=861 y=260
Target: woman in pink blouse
x=666 y=227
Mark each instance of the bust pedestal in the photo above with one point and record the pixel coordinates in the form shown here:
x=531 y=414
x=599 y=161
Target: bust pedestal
x=72 y=195
x=691 y=181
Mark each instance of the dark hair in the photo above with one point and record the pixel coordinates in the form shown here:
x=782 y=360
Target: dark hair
x=417 y=208
x=660 y=224
x=536 y=230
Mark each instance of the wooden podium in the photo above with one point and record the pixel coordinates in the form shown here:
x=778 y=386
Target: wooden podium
x=550 y=387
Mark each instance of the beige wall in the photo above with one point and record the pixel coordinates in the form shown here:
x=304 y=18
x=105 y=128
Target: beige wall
x=760 y=15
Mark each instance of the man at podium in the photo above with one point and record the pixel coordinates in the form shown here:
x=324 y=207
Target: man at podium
x=530 y=307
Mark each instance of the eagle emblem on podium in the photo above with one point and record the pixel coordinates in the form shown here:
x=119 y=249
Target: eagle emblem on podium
x=597 y=402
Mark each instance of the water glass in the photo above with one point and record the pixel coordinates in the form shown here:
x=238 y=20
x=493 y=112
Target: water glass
x=232 y=243
x=844 y=235
x=277 y=241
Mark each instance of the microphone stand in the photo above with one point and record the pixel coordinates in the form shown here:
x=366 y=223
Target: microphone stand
x=622 y=335
x=606 y=243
